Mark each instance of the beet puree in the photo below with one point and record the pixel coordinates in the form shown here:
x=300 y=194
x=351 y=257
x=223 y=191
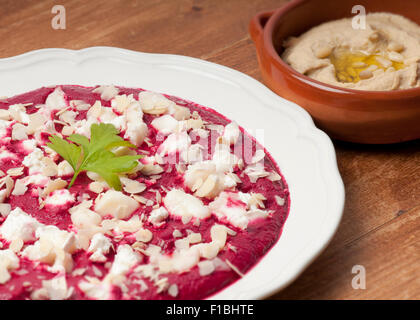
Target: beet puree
x=243 y=250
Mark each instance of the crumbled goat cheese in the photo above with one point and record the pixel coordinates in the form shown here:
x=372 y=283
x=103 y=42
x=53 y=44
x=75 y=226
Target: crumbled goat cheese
x=106 y=92
x=165 y=124
x=19 y=226
x=56 y=288
x=175 y=142
x=115 y=203
x=55 y=101
x=182 y=204
x=59 y=198
x=233 y=208
x=124 y=260
x=99 y=246
x=54 y=247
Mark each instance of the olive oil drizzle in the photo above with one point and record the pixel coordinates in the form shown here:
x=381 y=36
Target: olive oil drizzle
x=348 y=65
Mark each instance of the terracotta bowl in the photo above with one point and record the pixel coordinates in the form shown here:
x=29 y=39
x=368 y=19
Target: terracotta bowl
x=349 y=115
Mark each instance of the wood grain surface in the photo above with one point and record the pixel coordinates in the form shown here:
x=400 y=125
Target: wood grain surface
x=381 y=225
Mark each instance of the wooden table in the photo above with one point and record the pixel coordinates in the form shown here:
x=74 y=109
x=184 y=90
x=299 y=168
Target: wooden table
x=381 y=225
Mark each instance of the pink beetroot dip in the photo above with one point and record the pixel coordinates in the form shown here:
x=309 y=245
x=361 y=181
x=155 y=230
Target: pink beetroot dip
x=243 y=250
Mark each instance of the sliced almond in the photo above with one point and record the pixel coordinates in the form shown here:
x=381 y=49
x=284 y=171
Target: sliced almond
x=151 y=169
x=181 y=113
x=209 y=250
x=49 y=169
x=384 y=62
x=132 y=186
x=274 y=176
x=395 y=56
x=194 y=238
x=207 y=187
x=15 y=172
x=144 y=235
x=366 y=74
x=5 y=209
x=56 y=184
x=20 y=187
x=96 y=186
x=6 y=187
x=67 y=130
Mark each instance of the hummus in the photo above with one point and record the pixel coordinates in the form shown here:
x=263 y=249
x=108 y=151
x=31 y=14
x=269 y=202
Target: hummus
x=382 y=57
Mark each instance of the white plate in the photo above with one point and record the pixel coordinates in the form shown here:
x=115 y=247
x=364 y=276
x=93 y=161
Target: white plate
x=305 y=154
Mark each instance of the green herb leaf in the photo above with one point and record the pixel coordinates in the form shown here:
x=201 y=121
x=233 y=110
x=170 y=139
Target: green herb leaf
x=95 y=155
x=70 y=152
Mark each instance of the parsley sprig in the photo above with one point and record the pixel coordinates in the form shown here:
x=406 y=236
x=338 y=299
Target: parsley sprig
x=95 y=154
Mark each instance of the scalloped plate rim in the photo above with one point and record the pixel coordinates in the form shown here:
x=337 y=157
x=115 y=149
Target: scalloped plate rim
x=302 y=120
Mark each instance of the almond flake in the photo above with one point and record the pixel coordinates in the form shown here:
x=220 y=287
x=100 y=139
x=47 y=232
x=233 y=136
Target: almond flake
x=151 y=169
x=207 y=187
x=234 y=268
x=96 y=186
x=106 y=92
x=8 y=183
x=49 y=169
x=274 y=176
x=20 y=188
x=53 y=186
x=67 y=130
x=132 y=186
x=15 y=172
x=5 y=209
x=194 y=238
x=139 y=199
x=144 y=235
x=162 y=285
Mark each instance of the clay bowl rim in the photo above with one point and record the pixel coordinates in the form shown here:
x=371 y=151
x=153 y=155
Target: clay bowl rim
x=267 y=34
